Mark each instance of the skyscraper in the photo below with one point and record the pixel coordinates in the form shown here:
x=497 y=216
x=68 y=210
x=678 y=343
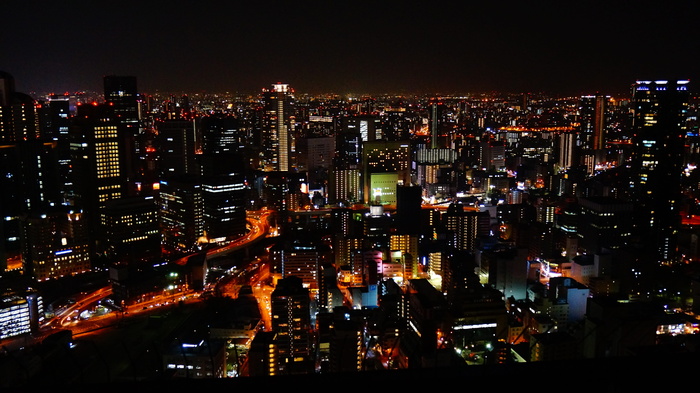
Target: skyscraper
x=291 y=320
x=98 y=154
x=659 y=121
x=277 y=127
x=121 y=93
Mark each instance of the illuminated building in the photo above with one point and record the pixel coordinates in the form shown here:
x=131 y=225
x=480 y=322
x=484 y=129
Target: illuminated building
x=30 y=183
x=291 y=320
x=278 y=127
x=55 y=245
x=18 y=117
x=367 y=127
x=604 y=223
x=181 y=214
x=195 y=357
x=383 y=188
x=175 y=144
x=404 y=247
x=100 y=156
x=300 y=258
x=465 y=226
x=345 y=186
x=224 y=203
x=263 y=355
x=380 y=160
x=566 y=150
x=121 y=94
x=493 y=155
x=593 y=119
x=132 y=230
x=27 y=185
x=659 y=121
x=55 y=115
x=20 y=313
x=346 y=340
x=564 y=300
x=436 y=156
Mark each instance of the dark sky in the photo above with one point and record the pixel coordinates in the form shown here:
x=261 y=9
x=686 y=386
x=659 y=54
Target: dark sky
x=433 y=47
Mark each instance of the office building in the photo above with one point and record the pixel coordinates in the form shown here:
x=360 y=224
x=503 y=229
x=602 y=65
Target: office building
x=659 y=121
x=291 y=320
x=100 y=156
x=385 y=165
x=175 y=145
x=121 y=94
x=224 y=203
x=278 y=127
x=181 y=213
x=55 y=244
x=604 y=223
x=18 y=115
x=21 y=312
x=132 y=230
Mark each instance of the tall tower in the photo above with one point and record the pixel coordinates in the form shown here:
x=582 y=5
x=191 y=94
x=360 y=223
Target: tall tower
x=121 y=94
x=659 y=123
x=98 y=155
x=291 y=320
x=593 y=112
x=28 y=167
x=18 y=117
x=278 y=127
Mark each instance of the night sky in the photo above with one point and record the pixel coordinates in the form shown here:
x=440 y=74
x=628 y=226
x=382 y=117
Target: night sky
x=349 y=47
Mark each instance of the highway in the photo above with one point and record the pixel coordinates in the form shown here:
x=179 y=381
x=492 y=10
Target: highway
x=80 y=317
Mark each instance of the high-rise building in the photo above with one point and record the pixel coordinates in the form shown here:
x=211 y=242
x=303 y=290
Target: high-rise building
x=99 y=155
x=224 y=202
x=181 y=213
x=18 y=116
x=176 y=147
x=604 y=223
x=132 y=230
x=121 y=94
x=659 y=120
x=291 y=320
x=301 y=258
x=367 y=127
x=55 y=245
x=385 y=166
x=465 y=226
x=345 y=186
x=593 y=119
x=55 y=117
x=278 y=127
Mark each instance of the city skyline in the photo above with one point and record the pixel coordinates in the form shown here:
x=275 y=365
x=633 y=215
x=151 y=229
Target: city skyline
x=359 y=48
x=218 y=190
